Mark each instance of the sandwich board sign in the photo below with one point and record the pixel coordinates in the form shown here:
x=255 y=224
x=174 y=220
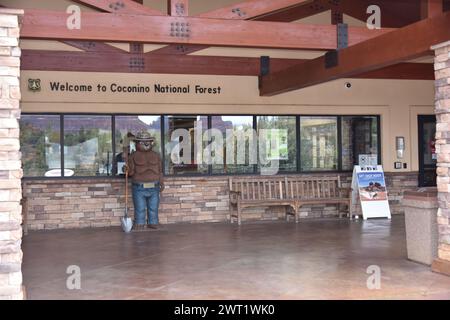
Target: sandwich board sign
x=369 y=183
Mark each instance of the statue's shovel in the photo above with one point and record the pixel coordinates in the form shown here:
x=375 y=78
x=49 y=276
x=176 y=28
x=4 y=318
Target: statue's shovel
x=125 y=221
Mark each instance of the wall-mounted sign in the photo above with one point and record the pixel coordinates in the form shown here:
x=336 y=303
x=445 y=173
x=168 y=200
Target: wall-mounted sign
x=368 y=160
x=34 y=85
x=118 y=88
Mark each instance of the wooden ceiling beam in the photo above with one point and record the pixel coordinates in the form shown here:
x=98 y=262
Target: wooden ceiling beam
x=51 y=25
x=132 y=7
x=46 y=60
x=92 y=46
x=394 y=14
x=122 y=7
x=253 y=9
x=431 y=8
x=392 y=48
x=247 y=10
x=401 y=71
x=137 y=48
x=301 y=11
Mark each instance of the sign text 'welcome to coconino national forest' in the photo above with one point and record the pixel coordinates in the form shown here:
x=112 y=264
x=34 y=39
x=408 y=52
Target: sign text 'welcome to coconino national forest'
x=115 y=88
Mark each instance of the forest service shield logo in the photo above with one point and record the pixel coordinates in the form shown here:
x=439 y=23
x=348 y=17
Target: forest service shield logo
x=34 y=85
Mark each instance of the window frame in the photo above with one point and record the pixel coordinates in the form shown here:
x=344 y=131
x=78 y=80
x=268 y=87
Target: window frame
x=209 y=121
x=163 y=143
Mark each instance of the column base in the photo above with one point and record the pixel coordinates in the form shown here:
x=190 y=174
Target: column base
x=441 y=266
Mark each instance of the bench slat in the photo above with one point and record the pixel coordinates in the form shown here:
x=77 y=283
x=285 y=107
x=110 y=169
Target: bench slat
x=247 y=190
x=318 y=183
x=281 y=190
x=292 y=190
x=275 y=192
x=270 y=190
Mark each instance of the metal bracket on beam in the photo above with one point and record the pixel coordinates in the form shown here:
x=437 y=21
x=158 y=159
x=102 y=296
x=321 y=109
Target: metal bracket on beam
x=238 y=11
x=331 y=59
x=181 y=48
x=264 y=66
x=336 y=17
x=136 y=64
x=180 y=29
x=116 y=6
x=180 y=9
x=342 y=35
x=88 y=45
x=137 y=48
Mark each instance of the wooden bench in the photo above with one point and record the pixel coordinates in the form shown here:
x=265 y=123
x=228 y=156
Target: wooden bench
x=317 y=190
x=286 y=191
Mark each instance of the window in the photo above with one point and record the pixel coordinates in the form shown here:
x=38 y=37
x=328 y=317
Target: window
x=319 y=143
x=237 y=134
x=124 y=125
x=88 y=145
x=291 y=143
x=40 y=145
x=281 y=140
x=359 y=136
x=182 y=134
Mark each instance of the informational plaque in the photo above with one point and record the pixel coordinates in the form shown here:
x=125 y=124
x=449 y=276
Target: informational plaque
x=369 y=184
x=368 y=160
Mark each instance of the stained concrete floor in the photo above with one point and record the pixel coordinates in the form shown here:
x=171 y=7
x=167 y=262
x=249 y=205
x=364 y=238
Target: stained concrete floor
x=317 y=259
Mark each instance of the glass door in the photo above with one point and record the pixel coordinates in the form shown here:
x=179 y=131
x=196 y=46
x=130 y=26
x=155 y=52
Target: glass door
x=427 y=151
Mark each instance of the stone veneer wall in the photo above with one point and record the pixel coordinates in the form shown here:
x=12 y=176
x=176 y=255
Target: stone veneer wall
x=80 y=203
x=442 y=110
x=10 y=159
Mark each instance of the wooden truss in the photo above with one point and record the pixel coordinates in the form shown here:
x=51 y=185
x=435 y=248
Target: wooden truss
x=410 y=28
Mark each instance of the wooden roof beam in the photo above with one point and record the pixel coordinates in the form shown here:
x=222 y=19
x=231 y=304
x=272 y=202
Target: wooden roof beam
x=301 y=11
x=253 y=9
x=431 y=8
x=122 y=7
x=92 y=46
x=394 y=14
x=247 y=10
x=129 y=6
x=403 y=44
x=47 y=60
x=179 y=64
x=51 y=25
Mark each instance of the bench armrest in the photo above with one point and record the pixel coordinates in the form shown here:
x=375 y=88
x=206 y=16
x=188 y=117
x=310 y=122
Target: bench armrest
x=234 y=196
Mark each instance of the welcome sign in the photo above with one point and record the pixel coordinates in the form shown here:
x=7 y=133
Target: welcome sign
x=77 y=87
x=57 y=86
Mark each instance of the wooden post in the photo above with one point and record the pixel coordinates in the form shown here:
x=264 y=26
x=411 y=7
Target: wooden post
x=431 y=8
x=178 y=8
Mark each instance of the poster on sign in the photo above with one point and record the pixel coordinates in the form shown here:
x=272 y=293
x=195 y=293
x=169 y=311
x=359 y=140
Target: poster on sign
x=370 y=185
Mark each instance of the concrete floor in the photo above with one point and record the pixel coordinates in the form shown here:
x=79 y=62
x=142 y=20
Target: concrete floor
x=317 y=259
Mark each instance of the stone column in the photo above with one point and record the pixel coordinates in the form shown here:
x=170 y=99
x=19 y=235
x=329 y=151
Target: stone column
x=10 y=157
x=442 y=110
